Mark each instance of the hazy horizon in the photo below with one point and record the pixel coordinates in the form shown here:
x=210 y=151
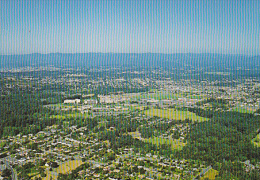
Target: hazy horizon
x=170 y=27
x=225 y=54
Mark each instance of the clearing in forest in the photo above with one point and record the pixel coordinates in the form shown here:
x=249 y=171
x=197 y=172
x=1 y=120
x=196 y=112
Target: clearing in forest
x=174 y=114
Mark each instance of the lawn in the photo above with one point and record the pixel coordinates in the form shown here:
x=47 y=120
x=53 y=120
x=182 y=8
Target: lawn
x=64 y=168
x=210 y=174
x=174 y=114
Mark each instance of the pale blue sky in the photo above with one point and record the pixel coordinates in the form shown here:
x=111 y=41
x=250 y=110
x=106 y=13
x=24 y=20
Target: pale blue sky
x=228 y=26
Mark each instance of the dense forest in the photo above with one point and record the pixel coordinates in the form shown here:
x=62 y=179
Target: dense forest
x=22 y=113
x=225 y=142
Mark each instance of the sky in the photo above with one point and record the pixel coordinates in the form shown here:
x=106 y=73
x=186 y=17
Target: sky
x=180 y=26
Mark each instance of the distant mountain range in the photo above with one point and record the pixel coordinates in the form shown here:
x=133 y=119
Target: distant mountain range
x=216 y=61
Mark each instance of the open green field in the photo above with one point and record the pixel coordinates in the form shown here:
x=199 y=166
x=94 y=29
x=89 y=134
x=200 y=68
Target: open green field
x=64 y=168
x=175 y=144
x=211 y=174
x=244 y=109
x=71 y=115
x=174 y=114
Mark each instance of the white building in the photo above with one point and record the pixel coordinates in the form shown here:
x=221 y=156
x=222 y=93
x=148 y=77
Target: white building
x=71 y=101
x=91 y=101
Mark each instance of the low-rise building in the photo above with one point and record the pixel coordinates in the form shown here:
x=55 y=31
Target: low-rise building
x=72 y=101
x=90 y=101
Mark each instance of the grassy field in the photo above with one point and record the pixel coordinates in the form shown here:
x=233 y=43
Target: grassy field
x=175 y=144
x=211 y=174
x=71 y=115
x=174 y=114
x=244 y=109
x=64 y=168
